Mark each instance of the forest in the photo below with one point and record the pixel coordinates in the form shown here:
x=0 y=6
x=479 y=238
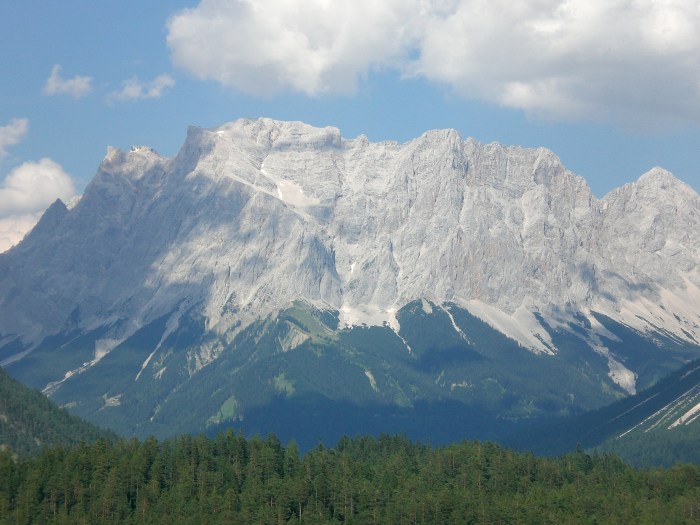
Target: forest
x=384 y=480
x=29 y=420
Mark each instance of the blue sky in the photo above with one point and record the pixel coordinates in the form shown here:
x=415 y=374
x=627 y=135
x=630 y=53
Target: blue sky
x=612 y=87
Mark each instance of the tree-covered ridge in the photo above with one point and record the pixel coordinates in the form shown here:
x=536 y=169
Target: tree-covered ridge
x=650 y=428
x=30 y=421
x=388 y=480
x=660 y=447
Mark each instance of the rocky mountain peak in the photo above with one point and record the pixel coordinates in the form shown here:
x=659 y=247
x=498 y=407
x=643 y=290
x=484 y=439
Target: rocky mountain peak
x=253 y=215
x=268 y=258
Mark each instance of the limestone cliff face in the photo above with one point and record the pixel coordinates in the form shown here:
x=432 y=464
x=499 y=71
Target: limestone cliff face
x=256 y=214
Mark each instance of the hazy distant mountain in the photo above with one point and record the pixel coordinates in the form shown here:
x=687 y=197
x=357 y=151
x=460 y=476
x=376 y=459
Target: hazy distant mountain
x=273 y=274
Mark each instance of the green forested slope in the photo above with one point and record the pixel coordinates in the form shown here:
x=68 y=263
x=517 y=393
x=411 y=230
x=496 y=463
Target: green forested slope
x=639 y=428
x=446 y=376
x=388 y=480
x=661 y=447
x=29 y=421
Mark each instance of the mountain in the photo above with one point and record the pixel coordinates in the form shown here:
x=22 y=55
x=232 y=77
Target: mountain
x=277 y=276
x=669 y=432
x=29 y=421
x=656 y=427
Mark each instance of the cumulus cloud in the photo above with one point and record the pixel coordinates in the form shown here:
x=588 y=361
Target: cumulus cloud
x=33 y=186
x=12 y=134
x=75 y=87
x=610 y=59
x=14 y=228
x=621 y=60
x=311 y=46
x=25 y=193
x=134 y=89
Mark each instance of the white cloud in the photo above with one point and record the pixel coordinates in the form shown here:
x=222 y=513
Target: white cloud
x=632 y=62
x=75 y=87
x=24 y=195
x=612 y=59
x=14 y=228
x=33 y=186
x=311 y=46
x=134 y=89
x=12 y=134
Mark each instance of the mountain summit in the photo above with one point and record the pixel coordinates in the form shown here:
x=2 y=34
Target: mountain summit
x=420 y=272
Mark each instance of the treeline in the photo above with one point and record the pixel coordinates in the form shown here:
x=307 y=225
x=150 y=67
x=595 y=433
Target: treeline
x=385 y=480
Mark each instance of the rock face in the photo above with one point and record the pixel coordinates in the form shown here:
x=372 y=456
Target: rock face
x=257 y=214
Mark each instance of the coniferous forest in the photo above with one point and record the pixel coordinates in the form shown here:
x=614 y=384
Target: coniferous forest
x=29 y=420
x=384 y=480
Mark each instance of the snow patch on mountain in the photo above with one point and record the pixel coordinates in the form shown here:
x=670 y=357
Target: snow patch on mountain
x=368 y=315
x=292 y=193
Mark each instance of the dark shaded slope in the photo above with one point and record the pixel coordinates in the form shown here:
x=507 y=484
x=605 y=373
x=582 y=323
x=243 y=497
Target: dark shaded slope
x=638 y=424
x=29 y=420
